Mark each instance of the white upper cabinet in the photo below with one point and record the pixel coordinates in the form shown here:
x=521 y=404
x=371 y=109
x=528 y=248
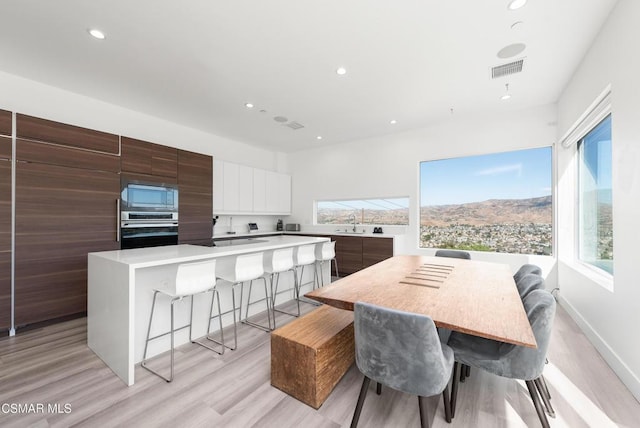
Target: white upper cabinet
x=245 y=188
x=259 y=190
x=272 y=191
x=231 y=187
x=218 y=190
x=284 y=193
x=240 y=189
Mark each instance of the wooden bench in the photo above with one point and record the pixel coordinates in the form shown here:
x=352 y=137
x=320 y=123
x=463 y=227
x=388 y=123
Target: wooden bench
x=310 y=355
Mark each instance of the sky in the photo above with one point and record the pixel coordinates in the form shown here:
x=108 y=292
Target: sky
x=520 y=174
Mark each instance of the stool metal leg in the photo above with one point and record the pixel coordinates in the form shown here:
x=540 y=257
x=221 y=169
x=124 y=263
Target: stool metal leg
x=235 y=322
x=208 y=336
x=171 y=332
x=249 y=303
x=335 y=261
x=296 y=292
x=146 y=343
x=315 y=276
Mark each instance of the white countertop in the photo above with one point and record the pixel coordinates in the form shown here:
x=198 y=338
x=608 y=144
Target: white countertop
x=155 y=256
x=323 y=233
x=335 y=233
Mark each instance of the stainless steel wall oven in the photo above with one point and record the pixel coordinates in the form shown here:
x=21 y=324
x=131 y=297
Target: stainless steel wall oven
x=149 y=214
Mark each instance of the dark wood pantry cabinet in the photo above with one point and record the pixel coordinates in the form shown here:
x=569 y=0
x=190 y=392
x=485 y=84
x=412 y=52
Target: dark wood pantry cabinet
x=67 y=185
x=67 y=188
x=5 y=219
x=195 y=177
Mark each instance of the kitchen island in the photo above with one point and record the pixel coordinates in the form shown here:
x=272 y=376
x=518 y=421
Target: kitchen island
x=120 y=294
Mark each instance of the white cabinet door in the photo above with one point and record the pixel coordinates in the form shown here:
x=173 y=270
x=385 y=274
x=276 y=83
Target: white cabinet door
x=284 y=193
x=259 y=191
x=231 y=187
x=218 y=186
x=245 y=188
x=272 y=191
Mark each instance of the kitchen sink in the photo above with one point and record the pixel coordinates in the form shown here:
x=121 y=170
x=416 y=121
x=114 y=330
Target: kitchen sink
x=351 y=232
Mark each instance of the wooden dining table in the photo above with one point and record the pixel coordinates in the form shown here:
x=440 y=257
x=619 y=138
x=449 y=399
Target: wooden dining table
x=473 y=297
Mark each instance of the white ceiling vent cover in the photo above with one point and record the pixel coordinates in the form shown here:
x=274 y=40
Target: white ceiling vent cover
x=507 y=69
x=294 y=125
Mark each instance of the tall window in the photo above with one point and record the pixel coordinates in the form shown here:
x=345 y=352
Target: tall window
x=498 y=202
x=595 y=222
x=383 y=211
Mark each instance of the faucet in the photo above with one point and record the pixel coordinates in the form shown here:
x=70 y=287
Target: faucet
x=354 y=222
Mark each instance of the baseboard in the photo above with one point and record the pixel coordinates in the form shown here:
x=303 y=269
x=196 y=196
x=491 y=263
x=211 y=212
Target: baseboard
x=615 y=362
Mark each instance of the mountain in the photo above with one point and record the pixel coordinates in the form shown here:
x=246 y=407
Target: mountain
x=493 y=211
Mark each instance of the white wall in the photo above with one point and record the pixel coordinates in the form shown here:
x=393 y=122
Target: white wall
x=389 y=166
x=610 y=318
x=36 y=99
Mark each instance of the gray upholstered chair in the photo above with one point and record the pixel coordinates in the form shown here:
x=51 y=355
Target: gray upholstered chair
x=402 y=351
x=528 y=283
x=511 y=361
x=454 y=254
x=526 y=270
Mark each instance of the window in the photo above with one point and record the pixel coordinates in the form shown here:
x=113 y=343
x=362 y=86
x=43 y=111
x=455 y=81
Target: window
x=498 y=202
x=595 y=219
x=383 y=211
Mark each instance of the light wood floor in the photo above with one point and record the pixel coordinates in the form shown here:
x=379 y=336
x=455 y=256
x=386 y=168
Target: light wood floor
x=53 y=365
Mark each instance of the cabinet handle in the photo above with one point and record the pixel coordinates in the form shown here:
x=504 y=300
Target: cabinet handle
x=118 y=220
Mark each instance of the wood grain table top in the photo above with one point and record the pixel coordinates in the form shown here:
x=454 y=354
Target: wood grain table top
x=473 y=297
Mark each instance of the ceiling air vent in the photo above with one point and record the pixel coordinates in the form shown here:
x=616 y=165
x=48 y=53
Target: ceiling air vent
x=294 y=125
x=507 y=69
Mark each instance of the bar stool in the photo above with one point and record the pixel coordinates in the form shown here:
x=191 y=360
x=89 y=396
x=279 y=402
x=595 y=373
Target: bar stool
x=245 y=268
x=325 y=251
x=304 y=255
x=191 y=279
x=275 y=263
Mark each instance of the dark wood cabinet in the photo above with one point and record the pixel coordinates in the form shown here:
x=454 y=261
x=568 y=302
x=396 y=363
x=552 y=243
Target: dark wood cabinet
x=142 y=157
x=48 y=131
x=5 y=123
x=67 y=187
x=348 y=253
x=5 y=229
x=65 y=208
x=375 y=250
x=196 y=205
x=354 y=253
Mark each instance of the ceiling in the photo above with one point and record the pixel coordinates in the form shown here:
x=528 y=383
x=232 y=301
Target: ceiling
x=197 y=62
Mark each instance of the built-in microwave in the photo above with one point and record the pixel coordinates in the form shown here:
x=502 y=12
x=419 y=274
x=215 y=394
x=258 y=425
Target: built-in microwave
x=143 y=196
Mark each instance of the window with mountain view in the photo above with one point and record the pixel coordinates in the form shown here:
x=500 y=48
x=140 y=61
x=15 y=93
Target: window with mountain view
x=379 y=212
x=498 y=202
x=594 y=197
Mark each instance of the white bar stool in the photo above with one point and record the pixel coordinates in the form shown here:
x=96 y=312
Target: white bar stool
x=275 y=263
x=326 y=251
x=245 y=268
x=304 y=255
x=191 y=279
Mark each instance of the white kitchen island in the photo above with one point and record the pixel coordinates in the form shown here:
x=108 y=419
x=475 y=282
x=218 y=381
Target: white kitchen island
x=120 y=294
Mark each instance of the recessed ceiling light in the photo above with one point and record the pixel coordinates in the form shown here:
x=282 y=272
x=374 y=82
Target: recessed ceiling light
x=516 y=4
x=341 y=71
x=393 y=122
x=97 y=34
x=248 y=105
x=319 y=137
